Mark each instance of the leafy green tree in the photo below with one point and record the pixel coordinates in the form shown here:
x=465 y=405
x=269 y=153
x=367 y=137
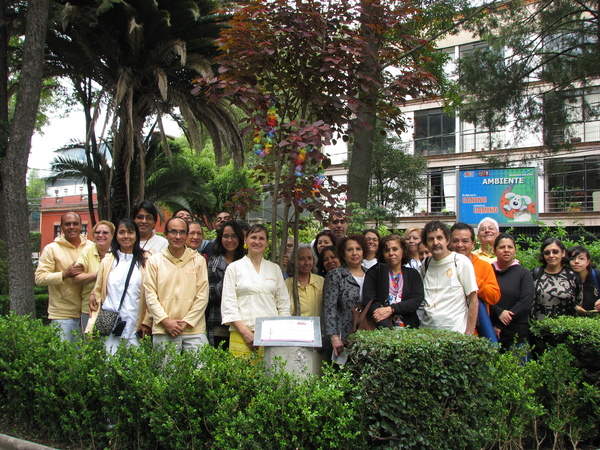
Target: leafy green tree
x=396 y=176
x=540 y=59
x=143 y=54
x=36 y=186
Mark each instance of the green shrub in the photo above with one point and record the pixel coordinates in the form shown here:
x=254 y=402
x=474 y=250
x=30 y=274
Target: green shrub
x=416 y=389
x=423 y=388
x=50 y=384
x=581 y=335
x=35 y=241
x=571 y=406
x=513 y=404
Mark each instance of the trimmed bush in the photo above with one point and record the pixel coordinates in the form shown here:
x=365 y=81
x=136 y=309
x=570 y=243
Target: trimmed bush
x=415 y=389
x=423 y=388
x=143 y=398
x=581 y=335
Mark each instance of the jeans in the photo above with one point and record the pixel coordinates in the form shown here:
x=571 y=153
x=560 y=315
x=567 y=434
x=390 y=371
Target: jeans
x=70 y=329
x=183 y=342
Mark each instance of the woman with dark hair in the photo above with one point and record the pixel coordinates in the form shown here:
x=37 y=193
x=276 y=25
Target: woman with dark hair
x=581 y=264
x=558 y=290
x=396 y=290
x=325 y=238
x=227 y=248
x=253 y=287
x=412 y=236
x=510 y=316
x=328 y=260
x=372 y=238
x=112 y=292
x=343 y=291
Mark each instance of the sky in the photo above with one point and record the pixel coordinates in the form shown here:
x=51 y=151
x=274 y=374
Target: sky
x=62 y=131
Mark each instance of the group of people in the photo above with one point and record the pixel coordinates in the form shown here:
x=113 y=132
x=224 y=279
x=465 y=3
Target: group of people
x=185 y=290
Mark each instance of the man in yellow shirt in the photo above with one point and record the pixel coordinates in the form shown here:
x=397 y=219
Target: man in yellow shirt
x=176 y=286
x=56 y=269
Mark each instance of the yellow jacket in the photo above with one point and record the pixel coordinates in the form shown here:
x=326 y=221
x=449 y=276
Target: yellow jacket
x=64 y=295
x=176 y=288
x=100 y=291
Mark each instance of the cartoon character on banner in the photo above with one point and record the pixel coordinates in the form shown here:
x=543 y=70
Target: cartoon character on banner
x=519 y=208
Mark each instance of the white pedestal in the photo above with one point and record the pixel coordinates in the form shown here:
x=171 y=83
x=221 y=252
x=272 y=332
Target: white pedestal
x=300 y=360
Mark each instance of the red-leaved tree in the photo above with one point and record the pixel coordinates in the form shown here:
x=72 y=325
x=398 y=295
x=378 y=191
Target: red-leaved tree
x=309 y=72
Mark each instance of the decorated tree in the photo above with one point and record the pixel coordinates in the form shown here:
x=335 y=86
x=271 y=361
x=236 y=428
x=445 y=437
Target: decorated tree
x=306 y=73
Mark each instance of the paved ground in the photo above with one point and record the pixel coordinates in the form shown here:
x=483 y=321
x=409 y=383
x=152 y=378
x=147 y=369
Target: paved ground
x=11 y=443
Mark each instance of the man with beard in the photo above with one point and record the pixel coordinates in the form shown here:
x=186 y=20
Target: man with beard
x=449 y=282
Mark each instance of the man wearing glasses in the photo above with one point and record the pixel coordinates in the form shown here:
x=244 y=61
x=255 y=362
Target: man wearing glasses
x=487 y=232
x=176 y=285
x=145 y=216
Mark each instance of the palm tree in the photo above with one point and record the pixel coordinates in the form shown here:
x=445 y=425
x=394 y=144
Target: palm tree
x=170 y=180
x=143 y=55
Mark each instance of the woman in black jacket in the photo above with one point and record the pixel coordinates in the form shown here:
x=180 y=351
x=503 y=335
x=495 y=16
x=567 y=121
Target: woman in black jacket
x=397 y=290
x=510 y=315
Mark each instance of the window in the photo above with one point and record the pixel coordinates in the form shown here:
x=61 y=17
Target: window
x=573 y=184
x=434 y=133
x=572 y=116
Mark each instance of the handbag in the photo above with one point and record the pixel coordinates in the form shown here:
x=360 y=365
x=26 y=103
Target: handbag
x=362 y=320
x=105 y=322
x=108 y=322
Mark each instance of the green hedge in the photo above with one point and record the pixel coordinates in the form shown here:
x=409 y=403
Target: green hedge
x=431 y=389
x=80 y=395
x=417 y=389
x=41 y=304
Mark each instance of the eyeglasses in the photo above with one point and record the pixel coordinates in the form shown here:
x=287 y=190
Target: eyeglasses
x=232 y=237
x=337 y=221
x=195 y=233
x=490 y=228
x=372 y=239
x=177 y=232
x=552 y=252
x=148 y=218
x=581 y=258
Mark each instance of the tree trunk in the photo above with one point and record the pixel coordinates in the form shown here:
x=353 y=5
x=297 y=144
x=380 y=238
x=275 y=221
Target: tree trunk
x=359 y=170
x=14 y=168
x=3 y=104
x=361 y=159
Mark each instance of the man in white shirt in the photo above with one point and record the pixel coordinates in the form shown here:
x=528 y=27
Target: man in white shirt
x=449 y=282
x=145 y=216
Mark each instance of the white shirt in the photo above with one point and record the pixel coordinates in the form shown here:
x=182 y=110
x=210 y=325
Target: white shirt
x=155 y=244
x=368 y=264
x=248 y=294
x=447 y=284
x=130 y=311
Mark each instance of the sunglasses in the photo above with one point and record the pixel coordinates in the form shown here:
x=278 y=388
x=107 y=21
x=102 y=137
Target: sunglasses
x=552 y=252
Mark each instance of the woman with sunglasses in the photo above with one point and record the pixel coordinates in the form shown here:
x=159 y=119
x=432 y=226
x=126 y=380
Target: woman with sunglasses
x=558 y=290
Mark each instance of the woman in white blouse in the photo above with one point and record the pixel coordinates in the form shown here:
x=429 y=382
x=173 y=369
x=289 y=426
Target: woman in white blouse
x=253 y=287
x=110 y=284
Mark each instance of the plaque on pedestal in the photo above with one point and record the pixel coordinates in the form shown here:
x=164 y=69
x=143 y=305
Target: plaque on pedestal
x=290 y=331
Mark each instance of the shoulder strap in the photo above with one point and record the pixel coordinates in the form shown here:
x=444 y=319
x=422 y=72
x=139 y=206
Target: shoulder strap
x=127 y=282
x=426 y=264
x=595 y=277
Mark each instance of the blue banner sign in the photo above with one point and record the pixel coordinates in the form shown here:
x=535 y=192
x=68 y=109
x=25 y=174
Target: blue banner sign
x=507 y=195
